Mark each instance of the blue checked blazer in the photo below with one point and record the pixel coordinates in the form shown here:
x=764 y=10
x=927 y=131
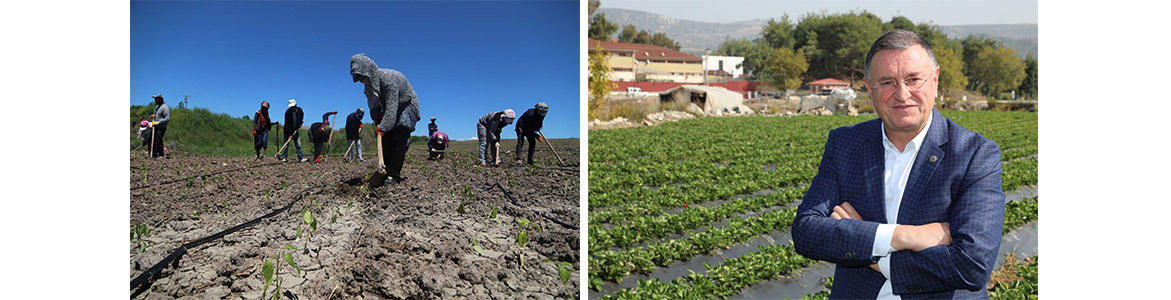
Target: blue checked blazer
x=955 y=178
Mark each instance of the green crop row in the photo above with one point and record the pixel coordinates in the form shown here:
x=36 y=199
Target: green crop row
x=1018 y=213
x=644 y=228
x=723 y=280
x=613 y=265
x=1021 y=289
x=1018 y=173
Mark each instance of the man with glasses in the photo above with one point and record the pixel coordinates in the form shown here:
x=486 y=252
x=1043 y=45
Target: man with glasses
x=909 y=204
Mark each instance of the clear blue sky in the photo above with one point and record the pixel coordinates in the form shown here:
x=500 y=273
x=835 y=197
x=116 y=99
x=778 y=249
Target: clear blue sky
x=464 y=59
x=938 y=12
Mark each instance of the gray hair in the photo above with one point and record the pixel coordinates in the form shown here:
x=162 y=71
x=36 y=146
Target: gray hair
x=897 y=39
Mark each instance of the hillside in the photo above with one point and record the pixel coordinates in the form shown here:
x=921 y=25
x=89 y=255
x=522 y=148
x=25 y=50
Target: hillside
x=201 y=132
x=694 y=36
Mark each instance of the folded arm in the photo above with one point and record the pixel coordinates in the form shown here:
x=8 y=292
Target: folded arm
x=976 y=220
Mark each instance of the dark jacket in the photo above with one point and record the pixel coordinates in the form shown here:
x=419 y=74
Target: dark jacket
x=432 y=128
x=261 y=122
x=353 y=122
x=392 y=101
x=318 y=132
x=530 y=122
x=294 y=118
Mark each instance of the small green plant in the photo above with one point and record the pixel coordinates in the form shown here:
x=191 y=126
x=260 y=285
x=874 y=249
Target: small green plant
x=468 y=193
x=271 y=271
x=522 y=238
x=190 y=183
x=460 y=209
x=493 y=215
x=140 y=234
x=476 y=245
x=566 y=270
x=199 y=210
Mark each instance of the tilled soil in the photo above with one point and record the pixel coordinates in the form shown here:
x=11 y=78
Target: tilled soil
x=406 y=241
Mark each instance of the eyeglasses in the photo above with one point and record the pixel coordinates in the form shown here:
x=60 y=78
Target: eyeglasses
x=913 y=84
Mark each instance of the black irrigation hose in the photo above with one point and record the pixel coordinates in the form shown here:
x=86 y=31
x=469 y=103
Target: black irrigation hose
x=546 y=216
x=208 y=174
x=158 y=267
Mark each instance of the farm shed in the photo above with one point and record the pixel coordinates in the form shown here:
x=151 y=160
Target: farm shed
x=712 y=100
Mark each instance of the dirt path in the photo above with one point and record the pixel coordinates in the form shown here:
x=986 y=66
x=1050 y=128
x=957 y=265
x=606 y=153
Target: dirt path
x=406 y=241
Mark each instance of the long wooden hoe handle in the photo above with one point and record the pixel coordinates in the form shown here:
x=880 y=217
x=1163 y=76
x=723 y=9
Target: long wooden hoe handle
x=550 y=146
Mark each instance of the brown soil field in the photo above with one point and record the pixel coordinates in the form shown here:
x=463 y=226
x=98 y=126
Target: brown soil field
x=405 y=241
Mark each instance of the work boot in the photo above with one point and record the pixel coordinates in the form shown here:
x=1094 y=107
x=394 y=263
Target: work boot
x=304 y=159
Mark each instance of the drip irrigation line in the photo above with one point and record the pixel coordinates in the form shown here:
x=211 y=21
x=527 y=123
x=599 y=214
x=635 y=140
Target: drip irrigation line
x=183 y=249
x=546 y=216
x=208 y=174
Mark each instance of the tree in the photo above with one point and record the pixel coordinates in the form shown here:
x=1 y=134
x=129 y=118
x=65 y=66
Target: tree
x=779 y=34
x=972 y=45
x=599 y=80
x=628 y=33
x=661 y=39
x=784 y=68
x=1028 y=88
x=899 y=22
x=836 y=45
x=755 y=53
x=600 y=29
x=951 y=74
x=643 y=37
x=997 y=70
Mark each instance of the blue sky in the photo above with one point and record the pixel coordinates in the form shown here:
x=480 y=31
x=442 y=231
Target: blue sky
x=464 y=59
x=938 y=12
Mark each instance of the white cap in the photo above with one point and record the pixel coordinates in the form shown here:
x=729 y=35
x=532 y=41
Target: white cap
x=292 y=102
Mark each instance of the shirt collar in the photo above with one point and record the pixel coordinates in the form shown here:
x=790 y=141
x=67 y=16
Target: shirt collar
x=913 y=144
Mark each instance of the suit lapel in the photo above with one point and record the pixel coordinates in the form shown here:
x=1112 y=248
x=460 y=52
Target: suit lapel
x=924 y=167
x=874 y=165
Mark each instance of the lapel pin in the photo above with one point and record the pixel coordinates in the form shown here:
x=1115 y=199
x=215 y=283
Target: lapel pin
x=933 y=158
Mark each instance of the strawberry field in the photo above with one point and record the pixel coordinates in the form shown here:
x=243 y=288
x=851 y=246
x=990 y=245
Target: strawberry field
x=700 y=209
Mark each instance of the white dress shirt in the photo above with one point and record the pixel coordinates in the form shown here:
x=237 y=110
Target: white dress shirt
x=898 y=170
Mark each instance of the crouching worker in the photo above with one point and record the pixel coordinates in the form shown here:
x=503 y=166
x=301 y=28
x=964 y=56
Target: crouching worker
x=488 y=131
x=394 y=108
x=528 y=126
x=437 y=145
x=353 y=127
x=144 y=133
x=319 y=134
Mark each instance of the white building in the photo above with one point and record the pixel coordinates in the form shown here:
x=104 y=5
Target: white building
x=729 y=64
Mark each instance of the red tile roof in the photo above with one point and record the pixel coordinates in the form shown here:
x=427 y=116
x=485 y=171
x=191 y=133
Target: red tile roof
x=645 y=51
x=742 y=87
x=828 y=81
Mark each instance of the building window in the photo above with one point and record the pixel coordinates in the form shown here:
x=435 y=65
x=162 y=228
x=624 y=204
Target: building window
x=721 y=64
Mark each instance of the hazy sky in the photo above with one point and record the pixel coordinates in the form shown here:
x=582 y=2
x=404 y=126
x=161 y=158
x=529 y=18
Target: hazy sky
x=938 y=12
x=463 y=59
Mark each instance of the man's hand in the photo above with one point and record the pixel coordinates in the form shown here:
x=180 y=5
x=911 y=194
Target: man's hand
x=917 y=238
x=378 y=131
x=845 y=211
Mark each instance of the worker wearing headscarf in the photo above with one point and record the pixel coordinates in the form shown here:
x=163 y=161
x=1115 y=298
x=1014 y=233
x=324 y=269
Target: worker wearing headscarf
x=261 y=124
x=353 y=125
x=394 y=108
x=488 y=131
x=527 y=127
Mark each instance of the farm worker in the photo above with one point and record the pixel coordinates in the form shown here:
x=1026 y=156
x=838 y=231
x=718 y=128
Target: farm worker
x=294 y=118
x=393 y=106
x=527 y=126
x=261 y=124
x=908 y=204
x=162 y=116
x=319 y=134
x=488 y=131
x=437 y=144
x=353 y=124
x=431 y=129
x=144 y=132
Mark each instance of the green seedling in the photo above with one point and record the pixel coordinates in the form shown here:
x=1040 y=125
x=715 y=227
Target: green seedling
x=493 y=216
x=476 y=246
x=190 y=183
x=139 y=234
x=522 y=238
x=566 y=270
x=468 y=193
x=460 y=209
x=271 y=271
